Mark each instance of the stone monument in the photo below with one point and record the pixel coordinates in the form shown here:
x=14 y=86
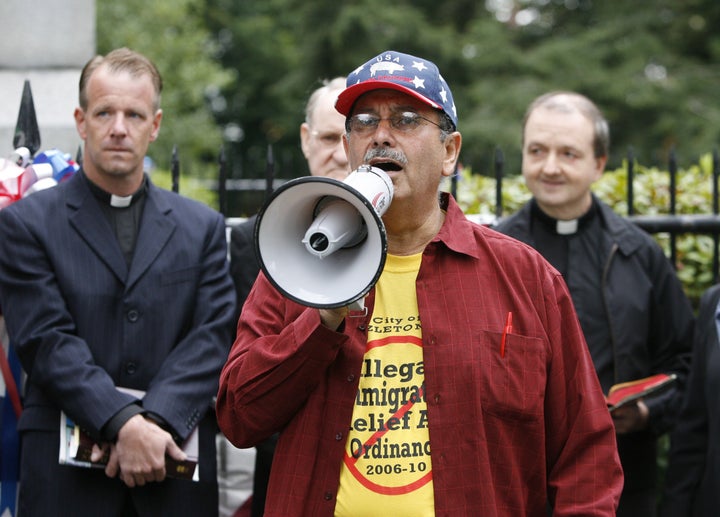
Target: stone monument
x=47 y=43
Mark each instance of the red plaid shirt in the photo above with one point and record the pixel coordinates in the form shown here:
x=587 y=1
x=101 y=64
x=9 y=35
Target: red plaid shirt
x=510 y=433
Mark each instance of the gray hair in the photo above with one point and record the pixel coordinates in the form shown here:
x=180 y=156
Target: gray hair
x=328 y=85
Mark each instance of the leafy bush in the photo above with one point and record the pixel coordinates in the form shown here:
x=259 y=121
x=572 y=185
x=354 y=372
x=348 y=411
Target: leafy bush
x=189 y=186
x=651 y=192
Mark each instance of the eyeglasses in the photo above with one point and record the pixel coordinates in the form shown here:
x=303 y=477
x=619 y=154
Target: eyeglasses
x=328 y=140
x=365 y=123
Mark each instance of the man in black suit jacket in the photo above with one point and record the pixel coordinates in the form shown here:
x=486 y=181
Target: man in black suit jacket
x=321 y=139
x=107 y=281
x=693 y=474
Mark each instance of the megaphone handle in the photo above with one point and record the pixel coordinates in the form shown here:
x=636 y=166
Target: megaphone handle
x=357 y=309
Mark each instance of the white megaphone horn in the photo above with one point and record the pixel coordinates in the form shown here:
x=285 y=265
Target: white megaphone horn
x=321 y=242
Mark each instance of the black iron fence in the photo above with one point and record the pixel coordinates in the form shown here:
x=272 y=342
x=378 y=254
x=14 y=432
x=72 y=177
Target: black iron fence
x=672 y=223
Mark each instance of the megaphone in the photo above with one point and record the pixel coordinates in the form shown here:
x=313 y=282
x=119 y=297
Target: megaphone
x=321 y=242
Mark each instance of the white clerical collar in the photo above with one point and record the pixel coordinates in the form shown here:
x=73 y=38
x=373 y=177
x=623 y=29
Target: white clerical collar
x=566 y=227
x=114 y=200
x=120 y=201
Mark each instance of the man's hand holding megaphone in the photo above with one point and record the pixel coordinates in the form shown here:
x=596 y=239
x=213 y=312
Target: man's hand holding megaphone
x=332 y=318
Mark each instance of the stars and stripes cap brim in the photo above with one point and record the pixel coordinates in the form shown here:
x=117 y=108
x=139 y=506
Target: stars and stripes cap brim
x=408 y=74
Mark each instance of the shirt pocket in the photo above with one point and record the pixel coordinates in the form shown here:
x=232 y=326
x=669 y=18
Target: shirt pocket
x=512 y=384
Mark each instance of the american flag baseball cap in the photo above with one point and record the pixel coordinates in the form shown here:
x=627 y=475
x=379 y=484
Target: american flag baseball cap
x=415 y=76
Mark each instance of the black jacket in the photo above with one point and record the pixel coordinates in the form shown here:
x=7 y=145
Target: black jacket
x=692 y=482
x=244 y=265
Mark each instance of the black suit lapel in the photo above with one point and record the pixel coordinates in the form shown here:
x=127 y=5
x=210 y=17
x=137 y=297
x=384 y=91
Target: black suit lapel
x=92 y=226
x=155 y=230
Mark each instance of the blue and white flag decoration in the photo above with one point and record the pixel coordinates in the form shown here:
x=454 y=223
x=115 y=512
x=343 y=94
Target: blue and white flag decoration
x=20 y=175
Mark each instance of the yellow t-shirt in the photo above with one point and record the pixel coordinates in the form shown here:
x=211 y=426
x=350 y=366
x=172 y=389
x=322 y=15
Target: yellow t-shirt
x=387 y=468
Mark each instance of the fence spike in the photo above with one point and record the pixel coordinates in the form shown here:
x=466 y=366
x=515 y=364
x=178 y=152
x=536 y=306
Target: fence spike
x=630 y=181
x=499 y=172
x=269 y=172
x=222 y=181
x=716 y=209
x=672 y=166
x=175 y=169
x=715 y=173
x=27 y=132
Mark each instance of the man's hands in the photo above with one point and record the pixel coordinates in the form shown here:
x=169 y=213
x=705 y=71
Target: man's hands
x=630 y=417
x=138 y=456
x=332 y=318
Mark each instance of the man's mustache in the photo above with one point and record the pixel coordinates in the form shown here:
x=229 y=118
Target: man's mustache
x=385 y=152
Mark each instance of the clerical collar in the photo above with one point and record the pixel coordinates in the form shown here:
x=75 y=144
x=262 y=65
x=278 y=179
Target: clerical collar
x=117 y=201
x=560 y=226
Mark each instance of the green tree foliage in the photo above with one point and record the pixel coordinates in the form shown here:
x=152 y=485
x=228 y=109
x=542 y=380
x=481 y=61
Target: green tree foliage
x=172 y=34
x=651 y=66
x=656 y=93
x=265 y=103
x=283 y=49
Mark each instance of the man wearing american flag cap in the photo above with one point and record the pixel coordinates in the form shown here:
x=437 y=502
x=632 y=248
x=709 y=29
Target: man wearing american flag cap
x=464 y=388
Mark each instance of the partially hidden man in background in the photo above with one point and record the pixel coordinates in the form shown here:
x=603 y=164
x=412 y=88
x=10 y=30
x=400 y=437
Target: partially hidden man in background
x=635 y=316
x=466 y=388
x=321 y=140
x=692 y=480
x=107 y=281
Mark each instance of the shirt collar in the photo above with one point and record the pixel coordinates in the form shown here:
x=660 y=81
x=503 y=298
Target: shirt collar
x=563 y=227
x=457 y=231
x=114 y=200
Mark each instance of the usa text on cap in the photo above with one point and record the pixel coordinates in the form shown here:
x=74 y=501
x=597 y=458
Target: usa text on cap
x=397 y=71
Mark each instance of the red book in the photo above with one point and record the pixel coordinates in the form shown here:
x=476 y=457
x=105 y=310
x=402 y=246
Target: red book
x=624 y=392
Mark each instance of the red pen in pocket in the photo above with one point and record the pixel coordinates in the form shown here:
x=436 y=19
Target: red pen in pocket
x=508 y=328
